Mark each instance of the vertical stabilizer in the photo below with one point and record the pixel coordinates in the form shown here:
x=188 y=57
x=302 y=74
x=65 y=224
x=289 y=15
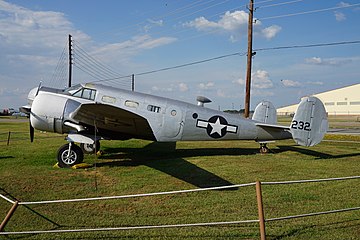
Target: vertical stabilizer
x=310 y=123
x=265 y=112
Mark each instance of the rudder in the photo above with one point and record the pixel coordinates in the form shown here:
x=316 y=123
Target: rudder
x=309 y=123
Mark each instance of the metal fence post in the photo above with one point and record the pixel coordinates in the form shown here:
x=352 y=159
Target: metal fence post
x=260 y=211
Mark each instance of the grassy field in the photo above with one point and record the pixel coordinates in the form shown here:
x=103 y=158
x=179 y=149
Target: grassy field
x=134 y=166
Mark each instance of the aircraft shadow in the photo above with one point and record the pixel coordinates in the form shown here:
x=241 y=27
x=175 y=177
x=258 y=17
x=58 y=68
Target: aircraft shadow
x=318 y=155
x=165 y=158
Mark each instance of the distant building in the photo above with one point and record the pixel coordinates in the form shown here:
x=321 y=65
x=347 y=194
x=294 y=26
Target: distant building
x=342 y=101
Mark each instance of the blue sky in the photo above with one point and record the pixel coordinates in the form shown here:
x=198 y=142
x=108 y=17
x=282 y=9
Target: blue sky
x=137 y=36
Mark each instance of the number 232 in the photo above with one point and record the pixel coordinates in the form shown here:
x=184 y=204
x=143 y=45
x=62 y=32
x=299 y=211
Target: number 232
x=300 y=125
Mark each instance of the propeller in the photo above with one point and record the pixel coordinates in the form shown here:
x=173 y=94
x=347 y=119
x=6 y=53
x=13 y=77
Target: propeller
x=31 y=132
x=31 y=98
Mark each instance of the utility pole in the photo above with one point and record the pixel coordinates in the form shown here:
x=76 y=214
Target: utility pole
x=249 y=59
x=133 y=82
x=70 y=60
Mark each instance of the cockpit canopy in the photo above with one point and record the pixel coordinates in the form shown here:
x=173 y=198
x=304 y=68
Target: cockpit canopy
x=81 y=91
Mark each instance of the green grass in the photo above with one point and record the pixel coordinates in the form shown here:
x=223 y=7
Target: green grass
x=135 y=166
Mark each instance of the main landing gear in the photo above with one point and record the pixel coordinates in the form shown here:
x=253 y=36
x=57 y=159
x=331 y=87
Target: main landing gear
x=71 y=154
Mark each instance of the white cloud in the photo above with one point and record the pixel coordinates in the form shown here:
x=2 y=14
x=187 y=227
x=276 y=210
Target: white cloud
x=290 y=83
x=31 y=43
x=339 y=16
x=153 y=23
x=27 y=29
x=183 y=87
x=344 y=4
x=271 y=31
x=329 y=61
x=235 y=23
x=315 y=83
x=206 y=86
x=221 y=93
x=162 y=89
x=259 y=80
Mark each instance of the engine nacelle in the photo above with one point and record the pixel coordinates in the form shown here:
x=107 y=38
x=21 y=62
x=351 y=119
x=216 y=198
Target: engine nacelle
x=47 y=112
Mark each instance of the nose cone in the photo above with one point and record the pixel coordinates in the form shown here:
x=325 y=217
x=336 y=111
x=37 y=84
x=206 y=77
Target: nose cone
x=47 y=112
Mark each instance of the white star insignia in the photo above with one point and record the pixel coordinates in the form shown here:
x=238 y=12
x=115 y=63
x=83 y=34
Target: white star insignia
x=217 y=127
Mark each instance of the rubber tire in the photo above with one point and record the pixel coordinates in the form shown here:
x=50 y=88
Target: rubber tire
x=264 y=150
x=76 y=156
x=89 y=148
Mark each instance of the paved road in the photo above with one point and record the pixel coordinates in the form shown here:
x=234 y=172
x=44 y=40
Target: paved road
x=13 y=119
x=351 y=131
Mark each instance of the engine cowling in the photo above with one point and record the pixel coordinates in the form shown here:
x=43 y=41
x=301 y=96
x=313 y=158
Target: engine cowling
x=47 y=112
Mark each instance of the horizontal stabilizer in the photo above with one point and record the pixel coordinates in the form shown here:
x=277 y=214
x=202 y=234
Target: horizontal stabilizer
x=279 y=127
x=310 y=123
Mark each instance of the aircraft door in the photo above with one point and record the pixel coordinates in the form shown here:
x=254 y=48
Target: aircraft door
x=172 y=123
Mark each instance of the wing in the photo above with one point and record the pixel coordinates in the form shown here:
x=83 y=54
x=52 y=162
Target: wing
x=113 y=122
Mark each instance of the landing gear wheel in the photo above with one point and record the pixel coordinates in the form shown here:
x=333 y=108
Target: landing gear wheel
x=69 y=155
x=89 y=148
x=263 y=148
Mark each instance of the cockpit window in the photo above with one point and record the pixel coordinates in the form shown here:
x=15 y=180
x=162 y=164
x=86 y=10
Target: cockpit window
x=73 y=89
x=85 y=93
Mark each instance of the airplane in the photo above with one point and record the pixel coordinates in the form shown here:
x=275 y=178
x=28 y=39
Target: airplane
x=91 y=112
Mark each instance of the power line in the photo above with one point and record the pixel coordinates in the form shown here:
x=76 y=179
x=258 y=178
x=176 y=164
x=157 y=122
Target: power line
x=279 y=4
x=231 y=55
x=192 y=63
x=309 y=45
x=311 y=11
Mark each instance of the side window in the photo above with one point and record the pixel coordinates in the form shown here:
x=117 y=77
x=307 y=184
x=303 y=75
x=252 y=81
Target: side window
x=86 y=93
x=131 y=104
x=92 y=94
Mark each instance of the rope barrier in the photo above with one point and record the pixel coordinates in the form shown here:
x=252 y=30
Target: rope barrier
x=132 y=228
x=177 y=192
x=311 y=180
x=312 y=214
x=137 y=195
x=7 y=199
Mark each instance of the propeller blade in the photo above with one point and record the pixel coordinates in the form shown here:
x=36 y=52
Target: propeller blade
x=31 y=132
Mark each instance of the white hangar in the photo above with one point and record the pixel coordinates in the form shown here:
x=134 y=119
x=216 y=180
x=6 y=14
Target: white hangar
x=341 y=101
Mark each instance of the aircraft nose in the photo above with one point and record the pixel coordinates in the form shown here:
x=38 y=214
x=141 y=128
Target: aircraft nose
x=47 y=112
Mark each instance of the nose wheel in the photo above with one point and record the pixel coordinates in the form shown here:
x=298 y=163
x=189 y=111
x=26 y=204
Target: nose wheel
x=69 y=155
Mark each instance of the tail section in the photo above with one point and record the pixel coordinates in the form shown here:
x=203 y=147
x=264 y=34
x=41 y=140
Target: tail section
x=310 y=123
x=265 y=112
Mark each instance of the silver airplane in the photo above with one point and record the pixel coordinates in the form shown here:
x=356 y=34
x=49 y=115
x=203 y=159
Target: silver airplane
x=88 y=113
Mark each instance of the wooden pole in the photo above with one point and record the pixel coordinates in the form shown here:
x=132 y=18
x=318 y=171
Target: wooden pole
x=8 y=216
x=260 y=211
x=249 y=60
